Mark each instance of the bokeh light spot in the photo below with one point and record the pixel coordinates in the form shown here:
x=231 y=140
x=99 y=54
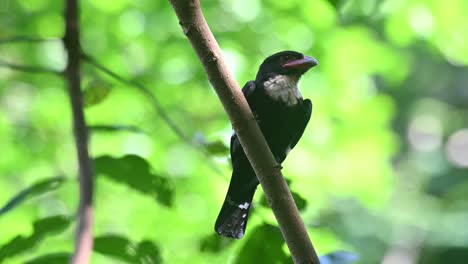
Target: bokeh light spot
x=457 y=148
x=245 y=10
x=132 y=23
x=52 y=55
x=139 y=145
x=421 y=21
x=175 y=70
x=425 y=133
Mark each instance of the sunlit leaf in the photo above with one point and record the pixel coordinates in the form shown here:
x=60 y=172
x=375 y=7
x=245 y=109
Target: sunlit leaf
x=266 y=243
x=36 y=189
x=137 y=173
x=121 y=248
x=214 y=243
x=53 y=258
x=339 y=257
x=42 y=228
x=95 y=92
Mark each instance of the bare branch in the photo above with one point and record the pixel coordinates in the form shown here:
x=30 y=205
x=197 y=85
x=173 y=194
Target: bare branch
x=265 y=166
x=84 y=237
x=28 y=68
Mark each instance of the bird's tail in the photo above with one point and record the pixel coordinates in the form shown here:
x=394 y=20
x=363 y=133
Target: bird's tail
x=232 y=219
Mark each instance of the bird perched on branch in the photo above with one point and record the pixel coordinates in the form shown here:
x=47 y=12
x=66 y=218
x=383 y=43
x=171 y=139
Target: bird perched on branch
x=282 y=115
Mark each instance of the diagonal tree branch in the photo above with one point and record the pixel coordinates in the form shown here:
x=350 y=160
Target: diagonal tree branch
x=28 y=68
x=265 y=166
x=84 y=239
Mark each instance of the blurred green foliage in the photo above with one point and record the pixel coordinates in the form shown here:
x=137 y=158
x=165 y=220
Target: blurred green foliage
x=380 y=171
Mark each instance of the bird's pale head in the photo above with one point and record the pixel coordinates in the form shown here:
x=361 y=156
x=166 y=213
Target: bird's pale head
x=288 y=63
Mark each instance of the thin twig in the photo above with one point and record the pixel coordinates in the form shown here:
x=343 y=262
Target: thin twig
x=144 y=90
x=279 y=196
x=28 y=68
x=157 y=106
x=84 y=236
x=26 y=39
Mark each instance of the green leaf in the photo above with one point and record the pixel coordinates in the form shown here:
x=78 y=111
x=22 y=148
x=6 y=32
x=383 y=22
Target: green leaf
x=115 y=246
x=36 y=189
x=121 y=248
x=217 y=148
x=148 y=252
x=335 y=3
x=53 y=258
x=42 y=228
x=301 y=203
x=136 y=172
x=214 y=243
x=95 y=92
x=264 y=242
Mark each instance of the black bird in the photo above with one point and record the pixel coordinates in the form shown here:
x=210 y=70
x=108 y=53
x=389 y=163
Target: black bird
x=282 y=115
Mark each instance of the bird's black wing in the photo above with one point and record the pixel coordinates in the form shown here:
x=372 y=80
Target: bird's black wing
x=236 y=149
x=304 y=117
x=248 y=90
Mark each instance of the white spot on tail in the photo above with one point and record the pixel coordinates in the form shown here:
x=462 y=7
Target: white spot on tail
x=244 y=215
x=244 y=206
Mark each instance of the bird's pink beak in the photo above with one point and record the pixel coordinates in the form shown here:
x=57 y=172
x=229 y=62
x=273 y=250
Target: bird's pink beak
x=301 y=64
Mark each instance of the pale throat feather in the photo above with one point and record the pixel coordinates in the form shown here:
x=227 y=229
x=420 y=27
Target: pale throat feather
x=284 y=88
